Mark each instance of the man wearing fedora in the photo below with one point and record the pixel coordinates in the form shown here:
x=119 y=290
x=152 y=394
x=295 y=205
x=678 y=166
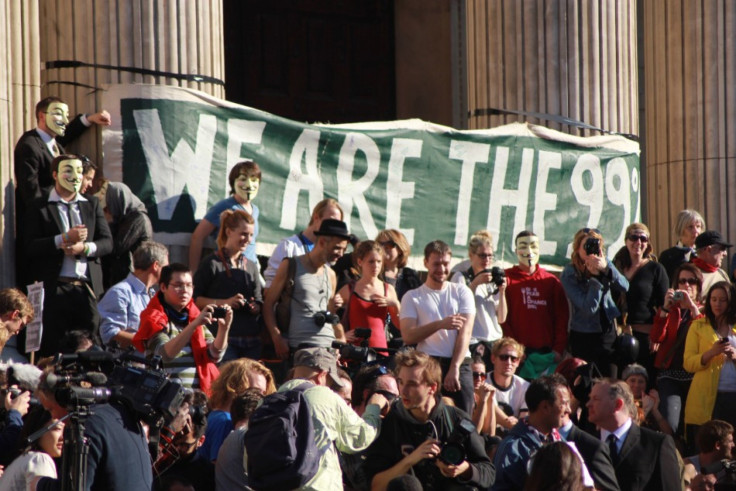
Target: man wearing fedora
x=314 y=285
x=711 y=249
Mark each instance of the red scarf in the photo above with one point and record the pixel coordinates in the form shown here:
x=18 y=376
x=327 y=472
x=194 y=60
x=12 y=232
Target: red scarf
x=154 y=319
x=702 y=265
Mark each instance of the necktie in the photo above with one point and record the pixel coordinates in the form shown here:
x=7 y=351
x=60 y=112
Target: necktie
x=55 y=149
x=612 y=447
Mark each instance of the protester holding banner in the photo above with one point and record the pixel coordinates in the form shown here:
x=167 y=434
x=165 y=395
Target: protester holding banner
x=245 y=181
x=304 y=241
x=227 y=277
x=589 y=280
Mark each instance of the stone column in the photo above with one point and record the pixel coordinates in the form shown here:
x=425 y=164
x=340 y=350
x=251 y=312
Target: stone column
x=19 y=92
x=690 y=103
x=570 y=58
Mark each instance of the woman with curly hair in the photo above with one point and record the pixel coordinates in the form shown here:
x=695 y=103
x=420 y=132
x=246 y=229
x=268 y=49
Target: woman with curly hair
x=235 y=377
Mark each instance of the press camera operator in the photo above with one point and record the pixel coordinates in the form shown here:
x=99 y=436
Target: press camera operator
x=118 y=457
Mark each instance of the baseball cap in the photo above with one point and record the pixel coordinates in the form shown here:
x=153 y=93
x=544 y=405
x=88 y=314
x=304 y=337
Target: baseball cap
x=710 y=237
x=320 y=359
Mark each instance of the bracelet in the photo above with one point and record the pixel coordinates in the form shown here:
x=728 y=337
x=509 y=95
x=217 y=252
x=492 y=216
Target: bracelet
x=86 y=249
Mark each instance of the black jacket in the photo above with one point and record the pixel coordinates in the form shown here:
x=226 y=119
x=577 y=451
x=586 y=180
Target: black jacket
x=401 y=434
x=596 y=457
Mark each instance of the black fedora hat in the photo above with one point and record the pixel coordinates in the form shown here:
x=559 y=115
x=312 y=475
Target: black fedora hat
x=333 y=228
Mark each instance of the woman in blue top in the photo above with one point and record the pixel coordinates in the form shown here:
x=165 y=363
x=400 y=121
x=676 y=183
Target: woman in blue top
x=245 y=180
x=588 y=282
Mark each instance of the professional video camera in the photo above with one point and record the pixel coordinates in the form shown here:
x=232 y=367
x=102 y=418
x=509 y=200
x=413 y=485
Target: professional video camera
x=92 y=377
x=726 y=481
x=453 y=450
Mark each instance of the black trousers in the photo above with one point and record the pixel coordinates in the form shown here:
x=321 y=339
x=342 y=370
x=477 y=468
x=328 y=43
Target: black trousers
x=464 y=397
x=67 y=307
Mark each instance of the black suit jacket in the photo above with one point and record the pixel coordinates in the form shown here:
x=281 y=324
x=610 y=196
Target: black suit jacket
x=43 y=224
x=648 y=461
x=596 y=457
x=32 y=164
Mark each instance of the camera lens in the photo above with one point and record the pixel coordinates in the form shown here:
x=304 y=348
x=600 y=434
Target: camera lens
x=452 y=453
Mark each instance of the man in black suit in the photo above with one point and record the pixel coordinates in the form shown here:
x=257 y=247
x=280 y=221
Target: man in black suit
x=643 y=459
x=37 y=148
x=66 y=234
x=594 y=453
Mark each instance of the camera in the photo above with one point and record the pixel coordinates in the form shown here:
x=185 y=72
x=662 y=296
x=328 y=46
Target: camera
x=592 y=246
x=359 y=354
x=498 y=275
x=250 y=305
x=325 y=317
x=219 y=313
x=677 y=296
x=453 y=450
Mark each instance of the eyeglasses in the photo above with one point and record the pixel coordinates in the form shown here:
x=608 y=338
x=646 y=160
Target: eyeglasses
x=507 y=357
x=388 y=243
x=643 y=238
x=479 y=374
x=180 y=287
x=486 y=256
x=689 y=281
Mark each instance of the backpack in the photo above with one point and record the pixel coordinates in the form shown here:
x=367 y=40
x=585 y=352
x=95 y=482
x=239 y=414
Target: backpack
x=280 y=442
x=283 y=307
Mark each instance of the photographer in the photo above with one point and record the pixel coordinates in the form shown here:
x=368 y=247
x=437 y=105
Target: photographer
x=589 y=280
x=489 y=290
x=227 y=277
x=118 y=457
x=416 y=430
x=175 y=329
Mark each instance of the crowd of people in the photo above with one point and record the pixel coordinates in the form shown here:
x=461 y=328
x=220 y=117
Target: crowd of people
x=618 y=374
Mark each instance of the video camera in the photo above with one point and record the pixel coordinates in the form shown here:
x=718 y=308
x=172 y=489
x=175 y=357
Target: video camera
x=727 y=481
x=91 y=377
x=358 y=354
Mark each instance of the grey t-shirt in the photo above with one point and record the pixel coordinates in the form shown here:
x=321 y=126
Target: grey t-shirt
x=230 y=470
x=311 y=294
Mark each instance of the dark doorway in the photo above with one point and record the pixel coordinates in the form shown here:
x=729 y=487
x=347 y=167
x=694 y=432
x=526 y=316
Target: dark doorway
x=312 y=60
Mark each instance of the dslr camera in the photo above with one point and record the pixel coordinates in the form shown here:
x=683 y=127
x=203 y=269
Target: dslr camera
x=498 y=275
x=453 y=450
x=325 y=317
x=592 y=246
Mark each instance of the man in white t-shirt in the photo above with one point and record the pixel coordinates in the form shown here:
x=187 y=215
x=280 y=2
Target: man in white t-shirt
x=510 y=388
x=438 y=317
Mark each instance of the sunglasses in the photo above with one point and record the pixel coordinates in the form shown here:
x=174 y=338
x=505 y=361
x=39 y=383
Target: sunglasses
x=643 y=238
x=388 y=243
x=390 y=396
x=689 y=281
x=485 y=256
x=587 y=230
x=479 y=374
x=506 y=357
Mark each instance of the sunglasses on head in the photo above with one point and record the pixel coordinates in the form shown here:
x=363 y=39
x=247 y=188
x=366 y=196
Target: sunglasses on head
x=643 y=238
x=507 y=357
x=479 y=374
x=689 y=281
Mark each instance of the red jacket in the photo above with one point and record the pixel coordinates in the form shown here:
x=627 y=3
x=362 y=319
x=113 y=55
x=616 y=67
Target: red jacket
x=538 y=312
x=664 y=332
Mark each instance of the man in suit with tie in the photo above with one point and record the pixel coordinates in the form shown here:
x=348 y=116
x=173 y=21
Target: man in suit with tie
x=33 y=155
x=66 y=234
x=643 y=459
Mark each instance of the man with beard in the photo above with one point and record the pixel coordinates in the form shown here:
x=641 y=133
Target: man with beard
x=66 y=234
x=413 y=433
x=537 y=312
x=438 y=317
x=313 y=322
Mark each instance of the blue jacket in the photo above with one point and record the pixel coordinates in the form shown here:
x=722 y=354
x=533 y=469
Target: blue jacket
x=513 y=456
x=587 y=295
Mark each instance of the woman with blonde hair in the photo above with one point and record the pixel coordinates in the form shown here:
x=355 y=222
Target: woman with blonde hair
x=228 y=277
x=490 y=298
x=648 y=283
x=589 y=280
x=396 y=252
x=235 y=377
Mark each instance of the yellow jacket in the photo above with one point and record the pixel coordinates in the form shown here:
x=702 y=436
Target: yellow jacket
x=701 y=398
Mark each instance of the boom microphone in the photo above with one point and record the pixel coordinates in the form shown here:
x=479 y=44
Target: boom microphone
x=94 y=378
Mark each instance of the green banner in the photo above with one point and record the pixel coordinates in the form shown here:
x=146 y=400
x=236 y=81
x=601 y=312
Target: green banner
x=174 y=148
